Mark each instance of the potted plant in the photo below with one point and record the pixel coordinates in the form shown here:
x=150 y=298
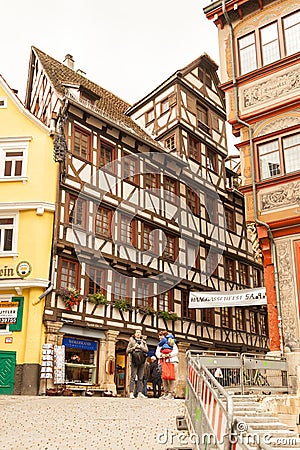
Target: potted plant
x=97 y=298
x=70 y=297
x=168 y=315
x=122 y=305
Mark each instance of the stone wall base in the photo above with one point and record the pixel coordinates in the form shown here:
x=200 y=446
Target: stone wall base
x=286 y=408
x=27 y=379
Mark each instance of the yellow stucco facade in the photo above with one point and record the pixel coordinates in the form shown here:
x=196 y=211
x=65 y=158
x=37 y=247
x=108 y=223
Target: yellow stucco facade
x=28 y=177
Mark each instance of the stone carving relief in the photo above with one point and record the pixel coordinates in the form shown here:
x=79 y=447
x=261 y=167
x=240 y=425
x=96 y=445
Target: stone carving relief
x=287 y=294
x=276 y=87
x=279 y=124
x=285 y=195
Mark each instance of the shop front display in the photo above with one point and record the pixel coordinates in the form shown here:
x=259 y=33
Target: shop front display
x=80 y=360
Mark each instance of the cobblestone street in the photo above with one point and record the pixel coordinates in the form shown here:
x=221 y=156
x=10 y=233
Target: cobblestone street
x=82 y=423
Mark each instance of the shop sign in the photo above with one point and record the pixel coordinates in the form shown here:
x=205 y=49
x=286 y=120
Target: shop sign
x=80 y=343
x=8 y=312
x=22 y=270
x=218 y=299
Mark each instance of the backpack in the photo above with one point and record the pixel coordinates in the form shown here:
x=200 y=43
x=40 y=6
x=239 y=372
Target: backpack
x=171 y=341
x=156 y=373
x=138 y=357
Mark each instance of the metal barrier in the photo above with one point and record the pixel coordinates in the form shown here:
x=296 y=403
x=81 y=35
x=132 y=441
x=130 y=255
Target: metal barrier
x=212 y=379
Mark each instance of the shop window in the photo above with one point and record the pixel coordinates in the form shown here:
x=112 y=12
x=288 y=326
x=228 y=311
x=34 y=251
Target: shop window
x=68 y=273
x=81 y=143
x=103 y=221
x=76 y=211
x=8 y=235
x=80 y=360
x=186 y=312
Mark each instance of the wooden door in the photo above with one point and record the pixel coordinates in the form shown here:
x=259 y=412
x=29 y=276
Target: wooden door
x=7 y=372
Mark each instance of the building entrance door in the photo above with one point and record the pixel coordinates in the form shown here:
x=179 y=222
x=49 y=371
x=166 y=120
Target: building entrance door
x=7 y=372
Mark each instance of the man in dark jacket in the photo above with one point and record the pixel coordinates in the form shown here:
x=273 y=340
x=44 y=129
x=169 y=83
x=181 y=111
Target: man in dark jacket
x=137 y=347
x=155 y=373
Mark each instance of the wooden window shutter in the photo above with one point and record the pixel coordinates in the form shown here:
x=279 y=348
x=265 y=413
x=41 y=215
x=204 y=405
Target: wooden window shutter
x=191 y=103
x=18 y=325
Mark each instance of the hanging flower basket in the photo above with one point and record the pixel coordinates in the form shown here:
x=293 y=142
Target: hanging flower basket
x=168 y=315
x=70 y=297
x=97 y=298
x=122 y=305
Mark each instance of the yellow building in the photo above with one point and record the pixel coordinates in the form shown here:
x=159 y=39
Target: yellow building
x=28 y=176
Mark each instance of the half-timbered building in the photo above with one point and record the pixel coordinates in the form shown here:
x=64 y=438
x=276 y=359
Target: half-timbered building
x=146 y=212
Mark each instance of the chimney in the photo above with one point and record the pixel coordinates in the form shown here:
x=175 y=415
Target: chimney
x=69 y=61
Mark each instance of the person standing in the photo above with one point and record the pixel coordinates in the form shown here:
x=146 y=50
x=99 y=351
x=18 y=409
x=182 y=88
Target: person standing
x=137 y=349
x=172 y=357
x=146 y=377
x=155 y=373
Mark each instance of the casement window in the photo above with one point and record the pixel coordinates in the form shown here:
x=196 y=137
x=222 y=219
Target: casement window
x=264 y=46
x=106 y=154
x=230 y=219
x=8 y=235
x=226 y=317
x=254 y=323
x=269 y=43
x=144 y=294
x=164 y=105
x=244 y=274
x=126 y=230
x=121 y=288
x=150 y=115
x=192 y=201
x=230 y=271
x=257 y=281
x=279 y=156
x=103 y=221
x=211 y=207
x=208 y=316
x=130 y=166
x=151 y=180
x=170 y=143
x=211 y=160
x=165 y=301
x=186 y=312
x=263 y=324
x=13 y=158
x=68 y=273
x=81 y=143
x=148 y=240
x=96 y=280
x=202 y=117
x=171 y=248
x=76 y=211
x=194 y=149
x=240 y=322
x=291 y=31
x=170 y=189
x=212 y=260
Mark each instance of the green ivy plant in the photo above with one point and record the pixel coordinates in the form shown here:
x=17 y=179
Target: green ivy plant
x=97 y=298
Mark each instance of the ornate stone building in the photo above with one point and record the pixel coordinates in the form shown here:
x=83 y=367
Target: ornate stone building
x=259 y=45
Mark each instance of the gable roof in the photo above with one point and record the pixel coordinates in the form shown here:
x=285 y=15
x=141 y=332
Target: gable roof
x=112 y=106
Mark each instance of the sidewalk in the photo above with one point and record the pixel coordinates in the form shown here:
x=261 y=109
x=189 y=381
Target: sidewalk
x=83 y=423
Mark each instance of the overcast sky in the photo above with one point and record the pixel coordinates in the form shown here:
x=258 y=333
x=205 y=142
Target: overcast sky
x=126 y=46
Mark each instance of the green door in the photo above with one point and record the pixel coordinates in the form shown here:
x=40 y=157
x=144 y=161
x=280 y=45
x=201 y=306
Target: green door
x=7 y=372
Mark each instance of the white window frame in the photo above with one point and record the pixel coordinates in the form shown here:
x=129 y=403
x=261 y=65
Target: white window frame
x=6 y=330
x=13 y=251
x=15 y=144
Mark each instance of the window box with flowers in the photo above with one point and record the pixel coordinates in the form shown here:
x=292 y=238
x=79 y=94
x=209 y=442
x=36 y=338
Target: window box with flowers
x=97 y=298
x=122 y=305
x=70 y=297
x=168 y=315
x=146 y=310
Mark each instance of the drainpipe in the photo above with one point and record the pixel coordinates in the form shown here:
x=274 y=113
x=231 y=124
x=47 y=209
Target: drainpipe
x=259 y=222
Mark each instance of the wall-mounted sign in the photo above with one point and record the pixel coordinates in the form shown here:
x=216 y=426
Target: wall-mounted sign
x=80 y=343
x=8 y=312
x=6 y=272
x=218 y=299
x=23 y=269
